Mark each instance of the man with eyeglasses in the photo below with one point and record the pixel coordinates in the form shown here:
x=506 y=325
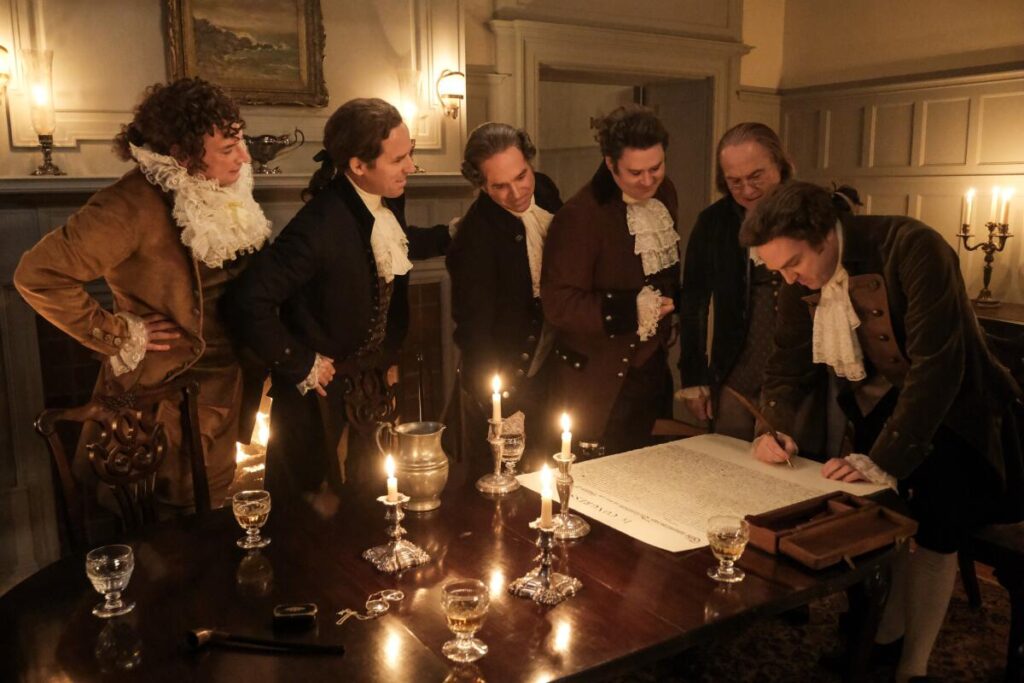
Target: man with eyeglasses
x=751 y=163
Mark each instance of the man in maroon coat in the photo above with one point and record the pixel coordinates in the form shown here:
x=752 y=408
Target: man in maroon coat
x=610 y=278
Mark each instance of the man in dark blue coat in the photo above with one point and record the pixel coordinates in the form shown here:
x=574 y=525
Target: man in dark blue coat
x=330 y=297
x=495 y=264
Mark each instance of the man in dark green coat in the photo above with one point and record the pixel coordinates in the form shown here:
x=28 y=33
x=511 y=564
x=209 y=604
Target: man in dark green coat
x=880 y=300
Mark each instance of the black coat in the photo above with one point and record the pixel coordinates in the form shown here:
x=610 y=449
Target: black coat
x=716 y=266
x=315 y=289
x=497 y=319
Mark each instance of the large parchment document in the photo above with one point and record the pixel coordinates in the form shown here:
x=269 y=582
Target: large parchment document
x=663 y=495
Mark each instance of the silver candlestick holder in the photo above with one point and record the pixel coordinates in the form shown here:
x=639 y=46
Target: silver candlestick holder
x=398 y=554
x=998 y=233
x=567 y=525
x=497 y=482
x=541 y=584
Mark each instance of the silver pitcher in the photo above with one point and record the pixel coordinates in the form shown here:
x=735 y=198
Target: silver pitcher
x=421 y=463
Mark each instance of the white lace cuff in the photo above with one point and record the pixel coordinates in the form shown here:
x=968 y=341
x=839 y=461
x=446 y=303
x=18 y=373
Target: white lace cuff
x=872 y=472
x=311 y=382
x=689 y=393
x=133 y=348
x=648 y=308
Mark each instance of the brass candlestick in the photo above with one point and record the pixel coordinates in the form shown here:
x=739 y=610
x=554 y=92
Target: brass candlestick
x=540 y=584
x=998 y=233
x=567 y=525
x=398 y=554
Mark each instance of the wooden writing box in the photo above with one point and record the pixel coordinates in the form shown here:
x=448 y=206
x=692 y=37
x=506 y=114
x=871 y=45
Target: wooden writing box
x=821 y=531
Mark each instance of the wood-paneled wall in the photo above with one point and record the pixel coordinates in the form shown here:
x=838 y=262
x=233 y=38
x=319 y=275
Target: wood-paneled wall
x=915 y=147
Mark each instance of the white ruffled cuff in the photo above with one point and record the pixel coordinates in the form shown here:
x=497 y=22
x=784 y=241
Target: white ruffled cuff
x=311 y=382
x=133 y=349
x=648 y=310
x=689 y=393
x=872 y=472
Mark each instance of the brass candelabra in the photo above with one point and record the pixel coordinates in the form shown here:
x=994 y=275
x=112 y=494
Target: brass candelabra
x=998 y=233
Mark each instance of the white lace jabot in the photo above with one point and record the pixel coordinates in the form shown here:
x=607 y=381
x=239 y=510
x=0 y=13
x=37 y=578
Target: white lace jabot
x=835 y=340
x=388 y=242
x=654 y=233
x=217 y=223
x=536 y=222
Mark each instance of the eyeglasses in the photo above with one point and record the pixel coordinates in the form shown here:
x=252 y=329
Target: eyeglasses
x=755 y=180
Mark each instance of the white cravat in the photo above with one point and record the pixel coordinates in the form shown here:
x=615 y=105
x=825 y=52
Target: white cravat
x=654 y=233
x=835 y=341
x=536 y=222
x=388 y=242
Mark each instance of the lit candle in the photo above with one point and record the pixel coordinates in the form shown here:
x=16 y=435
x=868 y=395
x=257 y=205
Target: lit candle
x=389 y=467
x=1005 y=213
x=545 y=497
x=496 y=399
x=566 y=436
x=993 y=216
x=968 y=209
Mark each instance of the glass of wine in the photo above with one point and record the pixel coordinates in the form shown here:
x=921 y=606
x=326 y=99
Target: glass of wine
x=728 y=537
x=513 y=446
x=251 y=508
x=110 y=568
x=465 y=603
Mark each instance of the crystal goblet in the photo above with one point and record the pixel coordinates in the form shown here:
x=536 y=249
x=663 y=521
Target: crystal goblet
x=465 y=603
x=251 y=508
x=109 y=568
x=727 y=536
x=513 y=446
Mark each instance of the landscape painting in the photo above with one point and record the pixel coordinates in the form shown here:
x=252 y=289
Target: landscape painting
x=261 y=51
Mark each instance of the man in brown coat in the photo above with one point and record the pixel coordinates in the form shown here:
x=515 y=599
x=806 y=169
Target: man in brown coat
x=880 y=301
x=166 y=238
x=610 y=276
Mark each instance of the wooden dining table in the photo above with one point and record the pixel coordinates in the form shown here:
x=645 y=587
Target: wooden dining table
x=638 y=604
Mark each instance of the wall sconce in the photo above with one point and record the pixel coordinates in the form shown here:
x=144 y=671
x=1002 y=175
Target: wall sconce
x=39 y=75
x=5 y=68
x=451 y=91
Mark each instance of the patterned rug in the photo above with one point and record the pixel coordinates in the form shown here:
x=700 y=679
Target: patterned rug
x=971 y=647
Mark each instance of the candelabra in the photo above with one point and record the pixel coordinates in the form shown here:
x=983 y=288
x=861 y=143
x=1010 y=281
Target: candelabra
x=998 y=233
x=567 y=525
x=398 y=554
x=541 y=584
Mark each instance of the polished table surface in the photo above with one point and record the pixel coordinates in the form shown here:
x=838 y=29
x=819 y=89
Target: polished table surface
x=637 y=604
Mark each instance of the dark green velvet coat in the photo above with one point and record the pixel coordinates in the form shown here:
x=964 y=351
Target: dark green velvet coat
x=944 y=369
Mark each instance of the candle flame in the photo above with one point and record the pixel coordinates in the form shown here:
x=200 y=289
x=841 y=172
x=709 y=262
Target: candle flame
x=240 y=455
x=545 y=481
x=566 y=423
x=496 y=384
x=389 y=465
x=1007 y=194
x=40 y=96
x=970 y=194
x=262 y=435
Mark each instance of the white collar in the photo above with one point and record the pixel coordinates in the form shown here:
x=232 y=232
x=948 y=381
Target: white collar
x=217 y=223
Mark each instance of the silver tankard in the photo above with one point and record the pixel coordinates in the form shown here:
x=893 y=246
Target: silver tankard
x=421 y=463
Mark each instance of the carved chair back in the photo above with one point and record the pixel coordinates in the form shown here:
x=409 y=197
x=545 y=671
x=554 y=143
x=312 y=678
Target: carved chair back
x=126 y=446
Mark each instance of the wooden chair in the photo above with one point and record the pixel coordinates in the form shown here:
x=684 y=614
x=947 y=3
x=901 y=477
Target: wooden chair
x=125 y=455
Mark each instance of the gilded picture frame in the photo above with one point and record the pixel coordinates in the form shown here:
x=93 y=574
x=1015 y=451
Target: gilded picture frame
x=263 y=52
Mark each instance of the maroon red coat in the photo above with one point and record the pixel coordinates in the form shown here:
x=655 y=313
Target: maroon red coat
x=589 y=283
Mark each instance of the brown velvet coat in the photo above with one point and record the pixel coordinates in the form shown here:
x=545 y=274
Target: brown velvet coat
x=589 y=283
x=125 y=234
x=917 y=329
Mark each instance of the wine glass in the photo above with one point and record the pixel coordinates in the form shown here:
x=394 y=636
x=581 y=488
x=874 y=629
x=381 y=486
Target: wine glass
x=110 y=568
x=512 y=451
x=465 y=603
x=251 y=508
x=728 y=537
